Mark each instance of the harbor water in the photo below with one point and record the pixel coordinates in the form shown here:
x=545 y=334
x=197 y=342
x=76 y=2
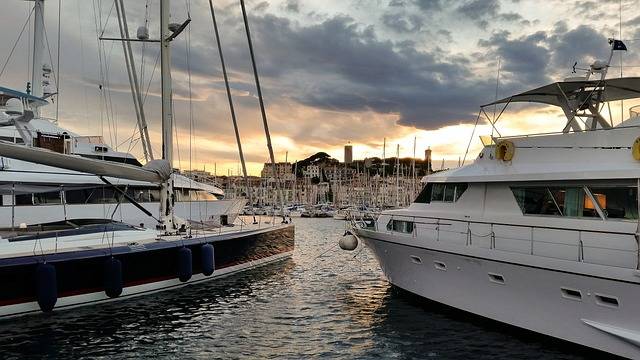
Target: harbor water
x=322 y=303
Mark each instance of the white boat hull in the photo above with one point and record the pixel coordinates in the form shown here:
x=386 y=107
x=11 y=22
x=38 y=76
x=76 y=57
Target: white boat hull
x=199 y=211
x=529 y=297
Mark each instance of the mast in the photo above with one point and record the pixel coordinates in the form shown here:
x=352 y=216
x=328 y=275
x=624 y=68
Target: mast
x=38 y=48
x=397 y=175
x=165 y=66
x=167 y=218
x=384 y=166
x=413 y=170
x=133 y=81
x=262 y=110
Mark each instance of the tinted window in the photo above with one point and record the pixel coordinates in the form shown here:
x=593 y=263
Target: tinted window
x=425 y=195
x=449 y=192
x=571 y=201
x=618 y=202
x=438 y=192
x=47 y=198
x=24 y=199
x=537 y=200
x=400 y=226
x=460 y=188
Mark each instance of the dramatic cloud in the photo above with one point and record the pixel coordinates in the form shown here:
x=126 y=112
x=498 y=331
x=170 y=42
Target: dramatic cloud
x=331 y=71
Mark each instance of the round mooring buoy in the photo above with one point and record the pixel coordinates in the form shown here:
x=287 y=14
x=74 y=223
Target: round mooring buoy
x=348 y=241
x=208 y=259
x=185 y=269
x=113 y=277
x=46 y=286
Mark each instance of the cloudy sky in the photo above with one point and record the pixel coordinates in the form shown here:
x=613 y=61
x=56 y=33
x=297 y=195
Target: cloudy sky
x=333 y=71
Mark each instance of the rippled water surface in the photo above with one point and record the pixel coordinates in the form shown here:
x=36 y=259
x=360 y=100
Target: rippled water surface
x=329 y=306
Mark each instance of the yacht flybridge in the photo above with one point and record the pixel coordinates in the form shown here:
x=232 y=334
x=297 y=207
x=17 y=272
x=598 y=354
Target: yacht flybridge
x=73 y=260
x=540 y=231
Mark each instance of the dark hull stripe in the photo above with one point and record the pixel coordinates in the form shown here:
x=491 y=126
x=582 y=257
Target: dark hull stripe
x=84 y=273
x=503 y=261
x=141 y=293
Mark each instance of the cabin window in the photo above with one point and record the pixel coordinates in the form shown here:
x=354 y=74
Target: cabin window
x=574 y=201
x=425 y=195
x=449 y=192
x=443 y=192
x=401 y=226
x=460 y=188
x=139 y=194
x=617 y=202
x=47 y=198
x=24 y=199
x=437 y=194
x=101 y=195
x=154 y=195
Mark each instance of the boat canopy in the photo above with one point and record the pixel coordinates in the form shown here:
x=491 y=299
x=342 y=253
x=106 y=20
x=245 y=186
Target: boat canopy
x=559 y=93
x=6 y=94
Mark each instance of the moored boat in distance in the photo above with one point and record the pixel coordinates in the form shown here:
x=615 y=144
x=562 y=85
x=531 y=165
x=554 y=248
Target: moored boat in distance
x=541 y=231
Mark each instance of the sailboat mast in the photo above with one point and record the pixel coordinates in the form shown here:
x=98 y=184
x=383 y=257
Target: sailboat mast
x=165 y=66
x=38 y=48
x=133 y=81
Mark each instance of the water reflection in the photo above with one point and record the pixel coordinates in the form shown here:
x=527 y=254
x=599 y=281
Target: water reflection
x=321 y=303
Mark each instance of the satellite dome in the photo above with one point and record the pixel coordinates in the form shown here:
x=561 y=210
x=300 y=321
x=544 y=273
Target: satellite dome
x=599 y=65
x=14 y=107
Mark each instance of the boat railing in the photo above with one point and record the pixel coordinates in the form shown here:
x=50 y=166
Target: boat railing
x=636 y=111
x=535 y=240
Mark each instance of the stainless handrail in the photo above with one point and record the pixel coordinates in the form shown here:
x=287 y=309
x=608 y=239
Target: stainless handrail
x=469 y=241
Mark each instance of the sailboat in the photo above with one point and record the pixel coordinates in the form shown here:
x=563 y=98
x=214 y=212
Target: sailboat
x=63 y=264
x=33 y=193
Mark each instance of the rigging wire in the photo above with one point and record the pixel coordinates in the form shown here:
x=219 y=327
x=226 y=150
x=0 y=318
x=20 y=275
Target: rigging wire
x=46 y=38
x=262 y=109
x=155 y=66
x=83 y=68
x=232 y=111
x=16 y=42
x=144 y=44
x=188 y=50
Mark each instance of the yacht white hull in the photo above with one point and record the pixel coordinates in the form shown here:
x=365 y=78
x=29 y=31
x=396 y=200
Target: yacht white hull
x=199 y=211
x=529 y=297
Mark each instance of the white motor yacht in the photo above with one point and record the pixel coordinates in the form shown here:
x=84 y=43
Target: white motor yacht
x=541 y=231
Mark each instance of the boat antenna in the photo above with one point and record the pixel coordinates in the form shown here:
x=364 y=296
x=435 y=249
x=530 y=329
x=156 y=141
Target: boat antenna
x=262 y=109
x=233 y=111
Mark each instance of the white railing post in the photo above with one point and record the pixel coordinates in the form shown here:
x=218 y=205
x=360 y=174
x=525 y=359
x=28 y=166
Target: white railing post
x=532 y=240
x=580 y=247
x=493 y=238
